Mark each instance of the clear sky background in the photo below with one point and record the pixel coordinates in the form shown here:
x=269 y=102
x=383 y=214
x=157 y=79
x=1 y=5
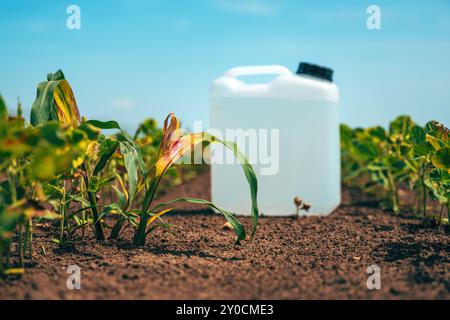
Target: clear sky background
x=144 y=58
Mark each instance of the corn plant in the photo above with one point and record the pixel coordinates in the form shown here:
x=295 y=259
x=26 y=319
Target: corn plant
x=55 y=101
x=67 y=162
x=30 y=158
x=173 y=147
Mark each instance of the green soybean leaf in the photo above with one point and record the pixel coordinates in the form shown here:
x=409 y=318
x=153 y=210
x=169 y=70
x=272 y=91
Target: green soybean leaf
x=346 y=133
x=440 y=176
x=417 y=135
x=3 y=118
x=437 y=134
x=378 y=132
x=401 y=125
x=237 y=226
x=107 y=148
x=3 y=109
x=365 y=150
x=441 y=159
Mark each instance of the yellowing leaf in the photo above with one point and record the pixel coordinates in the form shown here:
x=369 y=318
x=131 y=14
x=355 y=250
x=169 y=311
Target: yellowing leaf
x=153 y=218
x=65 y=104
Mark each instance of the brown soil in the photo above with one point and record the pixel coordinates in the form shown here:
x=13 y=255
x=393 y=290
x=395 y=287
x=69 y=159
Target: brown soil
x=305 y=258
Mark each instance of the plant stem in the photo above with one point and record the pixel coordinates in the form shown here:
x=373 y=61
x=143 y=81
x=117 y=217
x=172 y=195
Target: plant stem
x=448 y=212
x=28 y=239
x=1 y=256
x=20 y=244
x=393 y=192
x=61 y=223
x=116 y=229
x=83 y=214
x=441 y=214
x=139 y=236
x=424 y=198
x=8 y=254
x=418 y=204
x=98 y=227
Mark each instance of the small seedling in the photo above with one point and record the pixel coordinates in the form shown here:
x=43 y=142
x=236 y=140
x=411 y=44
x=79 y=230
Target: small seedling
x=300 y=205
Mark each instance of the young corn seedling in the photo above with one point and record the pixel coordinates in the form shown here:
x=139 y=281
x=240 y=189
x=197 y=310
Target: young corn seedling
x=173 y=146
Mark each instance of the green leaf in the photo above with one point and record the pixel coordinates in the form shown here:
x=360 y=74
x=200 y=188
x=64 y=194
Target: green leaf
x=121 y=196
x=94 y=184
x=3 y=118
x=439 y=135
x=237 y=226
x=55 y=101
x=365 y=150
x=423 y=149
x=401 y=125
x=251 y=178
x=346 y=134
x=378 y=132
x=440 y=176
x=42 y=109
x=441 y=159
x=107 y=149
x=3 y=109
x=115 y=125
x=131 y=158
x=417 y=135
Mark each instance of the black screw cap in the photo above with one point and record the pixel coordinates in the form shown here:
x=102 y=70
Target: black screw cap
x=315 y=71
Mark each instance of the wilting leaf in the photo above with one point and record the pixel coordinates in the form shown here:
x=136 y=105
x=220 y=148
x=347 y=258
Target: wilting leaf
x=237 y=226
x=14 y=271
x=66 y=106
x=157 y=215
x=55 y=101
x=174 y=146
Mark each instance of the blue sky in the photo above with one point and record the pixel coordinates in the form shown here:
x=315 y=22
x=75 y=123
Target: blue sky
x=134 y=59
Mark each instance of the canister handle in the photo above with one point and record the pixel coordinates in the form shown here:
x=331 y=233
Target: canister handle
x=256 y=70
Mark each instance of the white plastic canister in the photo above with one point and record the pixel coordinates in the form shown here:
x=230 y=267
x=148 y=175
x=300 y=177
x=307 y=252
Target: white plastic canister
x=295 y=118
